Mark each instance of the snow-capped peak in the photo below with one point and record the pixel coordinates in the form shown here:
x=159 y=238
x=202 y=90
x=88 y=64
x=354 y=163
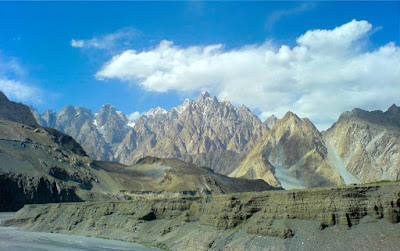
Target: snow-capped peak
x=155 y=111
x=183 y=106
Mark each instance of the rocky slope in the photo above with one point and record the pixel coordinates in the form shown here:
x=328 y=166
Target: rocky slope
x=366 y=145
x=292 y=155
x=157 y=177
x=15 y=112
x=249 y=221
x=37 y=165
x=360 y=147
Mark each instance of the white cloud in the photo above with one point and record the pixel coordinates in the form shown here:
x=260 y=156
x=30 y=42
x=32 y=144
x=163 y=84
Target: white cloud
x=134 y=115
x=326 y=73
x=109 y=41
x=17 y=91
x=77 y=43
x=12 y=84
x=276 y=16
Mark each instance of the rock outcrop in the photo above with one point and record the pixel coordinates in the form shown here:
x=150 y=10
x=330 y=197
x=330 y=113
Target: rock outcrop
x=220 y=222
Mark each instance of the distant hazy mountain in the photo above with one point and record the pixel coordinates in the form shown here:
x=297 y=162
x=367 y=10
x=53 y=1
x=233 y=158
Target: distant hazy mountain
x=98 y=133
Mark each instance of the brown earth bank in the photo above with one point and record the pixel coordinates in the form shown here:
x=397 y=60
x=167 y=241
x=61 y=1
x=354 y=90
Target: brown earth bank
x=336 y=218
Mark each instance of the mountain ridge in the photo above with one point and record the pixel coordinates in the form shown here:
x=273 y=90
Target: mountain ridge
x=216 y=134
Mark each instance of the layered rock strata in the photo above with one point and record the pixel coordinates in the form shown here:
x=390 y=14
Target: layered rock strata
x=180 y=223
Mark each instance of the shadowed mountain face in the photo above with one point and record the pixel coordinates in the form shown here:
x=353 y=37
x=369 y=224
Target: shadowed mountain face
x=16 y=112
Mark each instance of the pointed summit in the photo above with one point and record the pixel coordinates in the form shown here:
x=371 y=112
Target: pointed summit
x=290 y=115
x=243 y=108
x=393 y=109
x=203 y=96
x=270 y=122
x=3 y=97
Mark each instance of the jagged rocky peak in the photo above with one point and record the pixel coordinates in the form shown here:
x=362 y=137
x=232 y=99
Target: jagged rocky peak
x=243 y=108
x=37 y=116
x=108 y=112
x=155 y=112
x=270 y=121
x=112 y=124
x=203 y=96
x=205 y=131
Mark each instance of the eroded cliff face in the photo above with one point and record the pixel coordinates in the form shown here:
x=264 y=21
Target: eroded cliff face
x=217 y=222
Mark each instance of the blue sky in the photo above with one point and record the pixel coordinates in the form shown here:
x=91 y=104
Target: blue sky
x=139 y=55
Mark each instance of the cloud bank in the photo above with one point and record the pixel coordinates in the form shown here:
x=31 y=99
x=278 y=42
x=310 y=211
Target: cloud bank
x=326 y=73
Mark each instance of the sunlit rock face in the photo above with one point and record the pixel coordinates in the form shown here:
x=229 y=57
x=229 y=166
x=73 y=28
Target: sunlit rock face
x=367 y=144
x=360 y=147
x=291 y=155
x=205 y=131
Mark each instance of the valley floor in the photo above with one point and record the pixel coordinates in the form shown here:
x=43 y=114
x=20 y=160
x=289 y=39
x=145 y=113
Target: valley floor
x=12 y=238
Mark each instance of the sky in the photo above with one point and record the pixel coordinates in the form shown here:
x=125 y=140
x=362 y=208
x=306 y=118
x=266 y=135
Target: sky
x=316 y=59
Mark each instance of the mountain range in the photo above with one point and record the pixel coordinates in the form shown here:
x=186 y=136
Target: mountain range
x=290 y=152
x=41 y=165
